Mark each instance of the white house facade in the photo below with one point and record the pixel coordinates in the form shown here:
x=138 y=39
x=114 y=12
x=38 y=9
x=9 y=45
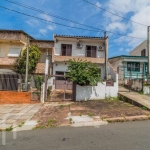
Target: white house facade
x=91 y=49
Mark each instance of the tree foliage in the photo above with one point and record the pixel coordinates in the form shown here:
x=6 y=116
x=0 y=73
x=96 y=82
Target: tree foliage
x=83 y=72
x=20 y=63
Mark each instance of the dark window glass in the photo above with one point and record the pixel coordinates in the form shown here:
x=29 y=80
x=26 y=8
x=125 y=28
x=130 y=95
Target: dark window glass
x=66 y=49
x=90 y=51
x=133 y=66
x=143 y=52
x=61 y=74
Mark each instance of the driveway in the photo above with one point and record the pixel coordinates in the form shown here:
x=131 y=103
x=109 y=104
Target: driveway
x=17 y=114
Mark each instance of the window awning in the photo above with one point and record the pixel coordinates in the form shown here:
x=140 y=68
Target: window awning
x=14 y=52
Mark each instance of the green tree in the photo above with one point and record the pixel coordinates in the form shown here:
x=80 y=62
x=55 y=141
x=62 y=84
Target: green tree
x=20 y=63
x=83 y=72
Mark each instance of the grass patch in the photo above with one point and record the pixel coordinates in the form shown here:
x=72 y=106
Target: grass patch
x=51 y=123
x=20 y=125
x=90 y=114
x=9 y=129
x=70 y=120
x=144 y=108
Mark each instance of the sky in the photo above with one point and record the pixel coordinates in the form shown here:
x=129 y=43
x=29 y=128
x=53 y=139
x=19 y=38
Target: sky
x=83 y=13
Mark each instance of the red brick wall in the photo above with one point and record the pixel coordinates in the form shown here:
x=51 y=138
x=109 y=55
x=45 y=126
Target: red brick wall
x=10 y=97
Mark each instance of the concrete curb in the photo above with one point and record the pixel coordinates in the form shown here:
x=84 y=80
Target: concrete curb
x=125 y=119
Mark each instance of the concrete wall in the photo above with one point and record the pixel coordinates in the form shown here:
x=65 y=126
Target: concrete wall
x=137 y=50
x=101 y=91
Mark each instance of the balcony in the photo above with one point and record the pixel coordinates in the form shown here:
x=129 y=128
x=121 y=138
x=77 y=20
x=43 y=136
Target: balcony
x=67 y=58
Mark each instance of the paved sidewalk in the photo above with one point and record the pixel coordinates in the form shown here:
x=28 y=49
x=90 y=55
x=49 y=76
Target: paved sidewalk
x=17 y=114
x=141 y=99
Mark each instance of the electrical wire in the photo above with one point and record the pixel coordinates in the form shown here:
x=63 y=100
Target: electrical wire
x=114 y=13
x=96 y=30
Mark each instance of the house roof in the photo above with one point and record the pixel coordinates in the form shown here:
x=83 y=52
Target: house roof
x=127 y=56
x=73 y=36
x=39 y=40
x=67 y=58
x=18 y=31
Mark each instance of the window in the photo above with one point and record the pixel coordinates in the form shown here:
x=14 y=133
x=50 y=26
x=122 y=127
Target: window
x=14 y=52
x=43 y=56
x=61 y=74
x=143 y=52
x=90 y=51
x=133 y=66
x=2 y=52
x=66 y=49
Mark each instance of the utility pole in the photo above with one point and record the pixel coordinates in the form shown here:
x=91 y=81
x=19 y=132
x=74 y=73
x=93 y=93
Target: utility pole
x=148 y=50
x=106 y=55
x=27 y=64
x=46 y=75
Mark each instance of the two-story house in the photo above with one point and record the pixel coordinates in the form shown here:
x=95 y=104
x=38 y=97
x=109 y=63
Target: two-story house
x=93 y=49
x=12 y=44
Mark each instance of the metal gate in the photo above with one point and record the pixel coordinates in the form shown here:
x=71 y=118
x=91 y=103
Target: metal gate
x=63 y=84
x=9 y=82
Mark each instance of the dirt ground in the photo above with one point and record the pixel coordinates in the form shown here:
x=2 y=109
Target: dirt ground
x=55 y=115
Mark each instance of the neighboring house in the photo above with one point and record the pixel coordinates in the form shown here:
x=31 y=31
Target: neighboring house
x=93 y=49
x=45 y=46
x=140 y=50
x=130 y=67
x=12 y=44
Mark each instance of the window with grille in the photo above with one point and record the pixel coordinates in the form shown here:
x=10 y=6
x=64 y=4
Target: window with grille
x=66 y=49
x=133 y=66
x=91 y=51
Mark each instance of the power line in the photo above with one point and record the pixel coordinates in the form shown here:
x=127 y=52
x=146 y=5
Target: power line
x=59 y=17
x=114 y=13
x=64 y=24
x=50 y=14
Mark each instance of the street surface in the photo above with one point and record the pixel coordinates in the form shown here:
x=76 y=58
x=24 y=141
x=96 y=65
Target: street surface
x=115 y=136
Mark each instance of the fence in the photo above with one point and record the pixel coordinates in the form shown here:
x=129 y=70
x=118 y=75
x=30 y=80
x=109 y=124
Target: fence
x=16 y=82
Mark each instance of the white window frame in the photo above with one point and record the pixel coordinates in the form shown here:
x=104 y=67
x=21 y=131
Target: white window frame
x=11 y=54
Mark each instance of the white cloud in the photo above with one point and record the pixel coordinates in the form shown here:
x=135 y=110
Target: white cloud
x=127 y=50
x=32 y=22
x=43 y=31
x=51 y=27
x=121 y=49
x=98 y=4
x=119 y=26
x=136 y=10
x=45 y=17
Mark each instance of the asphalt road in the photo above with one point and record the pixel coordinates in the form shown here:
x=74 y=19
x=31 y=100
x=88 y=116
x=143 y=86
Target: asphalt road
x=115 y=136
